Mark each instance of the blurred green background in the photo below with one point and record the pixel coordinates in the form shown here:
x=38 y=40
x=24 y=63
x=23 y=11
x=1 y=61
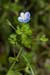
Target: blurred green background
x=25 y=47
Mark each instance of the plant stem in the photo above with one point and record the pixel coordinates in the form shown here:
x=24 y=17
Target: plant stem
x=28 y=64
x=16 y=60
x=11 y=25
x=19 y=53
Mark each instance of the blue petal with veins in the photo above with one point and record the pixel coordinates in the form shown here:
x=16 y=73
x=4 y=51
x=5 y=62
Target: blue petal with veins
x=27 y=15
x=26 y=20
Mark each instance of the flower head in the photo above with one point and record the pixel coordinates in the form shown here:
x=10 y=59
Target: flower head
x=24 y=17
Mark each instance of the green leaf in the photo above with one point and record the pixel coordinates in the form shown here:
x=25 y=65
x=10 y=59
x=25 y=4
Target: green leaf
x=43 y=38
x=12 y=38
x=11 y=59
x=11 y=72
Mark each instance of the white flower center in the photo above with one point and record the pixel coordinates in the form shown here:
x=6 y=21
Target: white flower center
x=22 y=15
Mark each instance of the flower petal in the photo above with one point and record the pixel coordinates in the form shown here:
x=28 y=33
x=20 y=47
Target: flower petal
x=26 y=20
x=20 y=19
x=22 y=14
x=27 y=15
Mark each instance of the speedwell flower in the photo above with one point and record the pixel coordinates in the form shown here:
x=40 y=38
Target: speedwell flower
x=24 y=17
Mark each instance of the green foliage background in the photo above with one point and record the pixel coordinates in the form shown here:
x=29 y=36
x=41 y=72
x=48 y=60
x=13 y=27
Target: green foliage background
x=25 y=47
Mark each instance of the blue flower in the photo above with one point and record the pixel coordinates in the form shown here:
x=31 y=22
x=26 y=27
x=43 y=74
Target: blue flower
x=24 y=17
